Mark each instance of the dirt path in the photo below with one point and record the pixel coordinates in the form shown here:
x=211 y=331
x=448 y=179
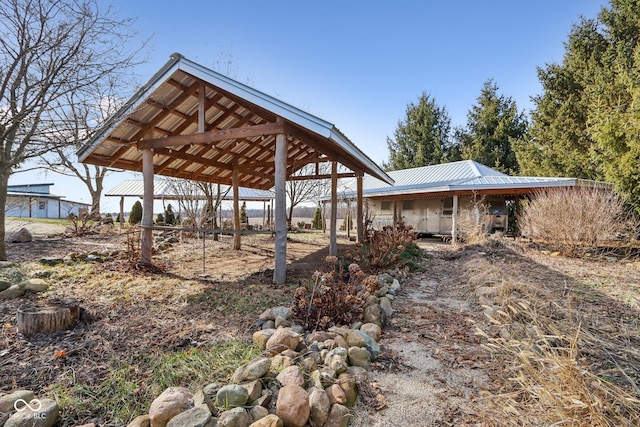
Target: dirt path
x=439 y=374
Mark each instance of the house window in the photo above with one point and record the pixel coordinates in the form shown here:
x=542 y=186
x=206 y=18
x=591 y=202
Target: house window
x=385 y=206
x=407 y=205
x=42 y=205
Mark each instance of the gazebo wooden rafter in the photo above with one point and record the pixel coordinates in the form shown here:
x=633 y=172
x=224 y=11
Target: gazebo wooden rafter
x=191 y=122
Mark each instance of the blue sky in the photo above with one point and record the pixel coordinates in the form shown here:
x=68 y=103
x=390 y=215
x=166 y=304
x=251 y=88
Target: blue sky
x=356 y=64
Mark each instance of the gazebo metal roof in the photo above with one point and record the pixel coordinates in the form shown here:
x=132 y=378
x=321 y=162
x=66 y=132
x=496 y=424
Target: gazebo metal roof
x=236 y=129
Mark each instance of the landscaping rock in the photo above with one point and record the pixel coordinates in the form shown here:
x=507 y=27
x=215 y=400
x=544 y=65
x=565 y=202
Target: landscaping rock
x=268 y=421
x=361 y=375
x=4 y=283
x=292 y=406
x=370 y=344
x=340 y=341
x=281 y=322
x=348 y=385
x=264 y=400
x=291 y=375
x=308 y=364
x=272 y=313
x=170 y=403
x=258 y=412
x=200 y=416
x=254 y=389
x=279 y=363
x=140 y=421
x=319 y=406
x=7 y=401
x=21 y=236
x=336 y=394
x=373 y=330
x=338 y=417
x=34 y=285
x=359 y=357
x=385 y=279
x=283 y=339
x=232 y=396
x=51 y=261
x=373 y=314
x=385 y=305
x=236 y=417
x=354 y=339
x=46 y=415
x=260 y=338
x=320 y=336
x=269 y=324
x=252 y=370
x=13 y=291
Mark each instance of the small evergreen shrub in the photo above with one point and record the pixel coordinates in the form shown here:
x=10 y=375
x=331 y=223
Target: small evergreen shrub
x=135 y=216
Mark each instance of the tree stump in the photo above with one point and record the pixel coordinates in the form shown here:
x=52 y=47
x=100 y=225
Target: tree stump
x=55 y=315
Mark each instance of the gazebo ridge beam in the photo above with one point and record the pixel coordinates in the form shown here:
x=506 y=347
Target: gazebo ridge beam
x=212 y=136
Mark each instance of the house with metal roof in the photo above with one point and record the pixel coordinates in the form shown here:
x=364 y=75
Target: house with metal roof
x=37 y=201
x=429 y=198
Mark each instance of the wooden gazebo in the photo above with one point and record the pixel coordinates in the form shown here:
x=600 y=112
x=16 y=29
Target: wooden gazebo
x=191 y=122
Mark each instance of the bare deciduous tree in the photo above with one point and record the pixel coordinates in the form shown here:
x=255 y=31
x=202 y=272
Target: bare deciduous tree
x=88 y=109
x=299 y=191
x=50 y=49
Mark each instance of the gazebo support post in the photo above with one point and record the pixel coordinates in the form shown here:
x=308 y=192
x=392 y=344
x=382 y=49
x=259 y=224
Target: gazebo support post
x=454 y=220
x=121 y=212
x=333 y=245
x=146 y=240
x=395 y=214
x=280 y=261
x=237 y=237
x=359 y=216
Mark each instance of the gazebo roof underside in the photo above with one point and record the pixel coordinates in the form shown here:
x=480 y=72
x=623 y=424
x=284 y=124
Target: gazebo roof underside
x=237 y=133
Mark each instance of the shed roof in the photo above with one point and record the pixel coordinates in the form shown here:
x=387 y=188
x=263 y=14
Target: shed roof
x=238 y=131
x=464 y=176
x=163 y=189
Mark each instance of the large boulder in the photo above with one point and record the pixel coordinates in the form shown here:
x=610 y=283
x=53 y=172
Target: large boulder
x=236 y=417
x=292 y=406
x=319 y=406
x=13 y=291
x=170 y=403
x=232 y=396
x=8 y=401
x=200 y=416
x=283 y=339
x=291 y=375
x=338 y=417
x=252 y=371
x=268 y=421
x=41 y=413
x=21 y=236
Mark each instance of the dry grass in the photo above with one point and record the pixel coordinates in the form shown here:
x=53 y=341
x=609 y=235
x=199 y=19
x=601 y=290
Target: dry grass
x=554 y=361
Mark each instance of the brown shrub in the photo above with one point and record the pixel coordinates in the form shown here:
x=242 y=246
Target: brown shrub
x=576 y=221
x=387 y=248
x=330 y=300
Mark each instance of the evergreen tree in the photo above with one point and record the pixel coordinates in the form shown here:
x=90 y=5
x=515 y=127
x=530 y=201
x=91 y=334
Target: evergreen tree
x=244 y=219
x=159 y=219
x=587 y=120
x=170 y=218
x=422 y=138
x=135 y=216
x=492 y=124
x=316 y=224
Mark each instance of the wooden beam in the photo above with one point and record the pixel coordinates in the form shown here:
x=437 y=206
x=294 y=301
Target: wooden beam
x=359 y=219
x=179 y=154
x=280 y=176
x=333 y=244
x=236 y=210
x=146 y=236
x=323 y=176
x=212 y=136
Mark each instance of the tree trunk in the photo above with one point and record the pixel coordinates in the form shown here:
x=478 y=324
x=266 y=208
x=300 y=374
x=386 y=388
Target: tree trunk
x=95 y=195
x=4 y=181
x=55 y=316
x=289 y=217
